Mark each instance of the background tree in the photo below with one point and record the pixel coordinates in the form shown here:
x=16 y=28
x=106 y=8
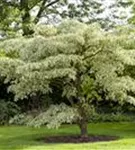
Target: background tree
x=84 y=60
x=24 y=14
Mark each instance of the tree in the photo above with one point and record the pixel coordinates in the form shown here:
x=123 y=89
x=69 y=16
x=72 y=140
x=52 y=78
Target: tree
x=83 y=59
x=24 y=14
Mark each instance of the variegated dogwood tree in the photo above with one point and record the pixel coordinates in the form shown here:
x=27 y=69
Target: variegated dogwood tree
x=83 y=59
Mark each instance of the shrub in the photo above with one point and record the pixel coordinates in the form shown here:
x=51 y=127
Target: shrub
x=7 y=109
x=112 y=117
x=21 y=119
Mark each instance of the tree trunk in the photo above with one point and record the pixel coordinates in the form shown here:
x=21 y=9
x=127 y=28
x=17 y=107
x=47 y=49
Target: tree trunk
x=83 y=129
x=26 y=24
x=26 y=19
x=83 y=121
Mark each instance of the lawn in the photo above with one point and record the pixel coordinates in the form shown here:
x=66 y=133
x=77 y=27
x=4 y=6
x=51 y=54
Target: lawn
x=24 y=138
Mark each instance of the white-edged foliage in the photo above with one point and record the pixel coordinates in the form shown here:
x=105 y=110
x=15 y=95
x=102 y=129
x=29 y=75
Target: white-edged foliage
x=81 y=56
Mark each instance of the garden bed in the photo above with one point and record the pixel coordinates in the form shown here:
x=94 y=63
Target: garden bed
x=78 y=139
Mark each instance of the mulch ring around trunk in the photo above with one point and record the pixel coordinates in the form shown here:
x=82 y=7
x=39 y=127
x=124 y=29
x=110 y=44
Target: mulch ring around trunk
x=78 y=139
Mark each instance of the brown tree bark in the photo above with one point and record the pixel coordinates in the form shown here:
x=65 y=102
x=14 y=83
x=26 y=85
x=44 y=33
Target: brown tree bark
x=83 y=129
x=83 y=122
x=24 y=6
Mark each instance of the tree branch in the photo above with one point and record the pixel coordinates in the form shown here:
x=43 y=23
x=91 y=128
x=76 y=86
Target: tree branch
x=71 y=102
x=43 y=7
x=52 y=3
x=90 y=56
x=40 y=11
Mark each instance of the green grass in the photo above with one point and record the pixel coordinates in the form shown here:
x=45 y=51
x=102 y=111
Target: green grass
x=24 y=138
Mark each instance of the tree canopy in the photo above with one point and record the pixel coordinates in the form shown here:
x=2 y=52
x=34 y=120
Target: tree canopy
x=82 y=59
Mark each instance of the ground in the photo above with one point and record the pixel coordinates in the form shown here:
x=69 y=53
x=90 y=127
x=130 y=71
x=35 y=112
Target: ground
x=24 y=138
